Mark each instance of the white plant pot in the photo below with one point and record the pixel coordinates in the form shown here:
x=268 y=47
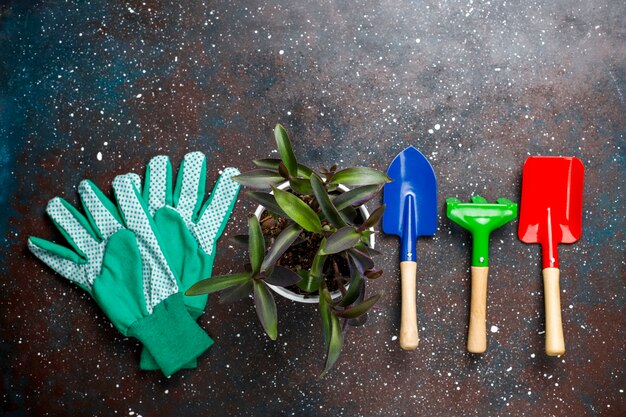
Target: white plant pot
x=312 y=298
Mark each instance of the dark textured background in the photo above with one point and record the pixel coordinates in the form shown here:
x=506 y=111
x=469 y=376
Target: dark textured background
x=92 y=89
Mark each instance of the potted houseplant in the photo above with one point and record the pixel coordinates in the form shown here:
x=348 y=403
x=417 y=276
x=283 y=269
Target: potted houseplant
x=311 y=240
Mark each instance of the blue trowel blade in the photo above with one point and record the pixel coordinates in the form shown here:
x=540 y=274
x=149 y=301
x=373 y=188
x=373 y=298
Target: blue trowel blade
x=411 y=199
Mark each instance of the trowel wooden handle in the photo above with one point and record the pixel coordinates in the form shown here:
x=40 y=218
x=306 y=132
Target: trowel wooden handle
x=408 y=321
x=555 y=343
x=477 y=336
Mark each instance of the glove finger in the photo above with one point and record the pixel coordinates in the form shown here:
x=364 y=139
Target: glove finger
x=132 y=207
x=136 y=180
x=216 y=211
x=73 y=226
x=102 y=213
x=157 y=190
x=190 y=185
x=158 y=280
x=62 y=260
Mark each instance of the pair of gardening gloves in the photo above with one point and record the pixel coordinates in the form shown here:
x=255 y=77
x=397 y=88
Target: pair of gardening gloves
x=137 y=258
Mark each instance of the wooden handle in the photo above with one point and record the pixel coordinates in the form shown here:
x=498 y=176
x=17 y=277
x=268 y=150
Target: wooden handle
x=408 y=321
x=555 y=343
x=477 y=336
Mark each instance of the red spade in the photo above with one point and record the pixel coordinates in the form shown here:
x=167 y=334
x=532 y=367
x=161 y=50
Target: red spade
x=551 y=213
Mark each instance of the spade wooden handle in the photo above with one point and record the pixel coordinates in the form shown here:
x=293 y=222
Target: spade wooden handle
x=477 y=336
x=555 y=343
x=408 y=321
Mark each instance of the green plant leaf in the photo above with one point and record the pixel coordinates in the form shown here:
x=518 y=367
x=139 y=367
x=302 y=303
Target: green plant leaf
x=215 y=284
x=236 y=293
x=374 y=218
x=282 y=242
x=365 y=235
x=373 y=273
x=330 y=212
x=283 y=277
x=272 y=163
x=282 y=170
x=360 y=176
x=298 y=211
x=307 y=283
x=354 y=289
x=240 y=240
x=266 y=308
x=301 y=186
x=325 y=313
x=350 y=213
x=357 y=310
x=366 y=249
x=285 y=150
x=317 y=266
x=256 y=244
x=362 y=261
x=343 y=239
x=267 y=200
x=356 y=196
x=334 y=344
x=261 y=179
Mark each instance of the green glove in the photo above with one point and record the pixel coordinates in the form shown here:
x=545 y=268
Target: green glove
x=191 y=227
x=118 y=258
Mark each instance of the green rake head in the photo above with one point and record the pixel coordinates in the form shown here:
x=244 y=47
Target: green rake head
x=481 y=217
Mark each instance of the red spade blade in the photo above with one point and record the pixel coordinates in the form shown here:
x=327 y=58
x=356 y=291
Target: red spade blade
x=552 y=203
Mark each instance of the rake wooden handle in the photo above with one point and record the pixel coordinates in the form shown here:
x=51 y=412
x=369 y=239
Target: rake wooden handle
x=477 y=336
x=408 y=320
x=555 y=342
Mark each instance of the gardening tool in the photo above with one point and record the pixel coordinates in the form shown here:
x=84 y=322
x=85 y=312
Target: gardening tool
x=480 y=218
x=551 y=213
x=411 y=200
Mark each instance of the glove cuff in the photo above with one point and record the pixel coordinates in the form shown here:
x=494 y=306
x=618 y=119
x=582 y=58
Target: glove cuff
x=171 y=336
x=147 y=363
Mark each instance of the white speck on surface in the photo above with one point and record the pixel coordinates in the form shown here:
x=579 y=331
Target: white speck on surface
x=394 y=338
x=281 y=52
x=431 y=131
x=494 y=329
x=437 y=126
x=138 y=95
x=99 y=156
x=418 y=40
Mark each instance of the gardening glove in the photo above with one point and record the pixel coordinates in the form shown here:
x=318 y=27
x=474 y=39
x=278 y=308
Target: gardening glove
x=192 y=228
x=118 y=258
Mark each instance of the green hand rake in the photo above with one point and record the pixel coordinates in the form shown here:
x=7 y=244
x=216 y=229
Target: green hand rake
x=480 y=218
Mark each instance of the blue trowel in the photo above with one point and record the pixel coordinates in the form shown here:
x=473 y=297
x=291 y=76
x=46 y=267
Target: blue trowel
x=411 y=200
